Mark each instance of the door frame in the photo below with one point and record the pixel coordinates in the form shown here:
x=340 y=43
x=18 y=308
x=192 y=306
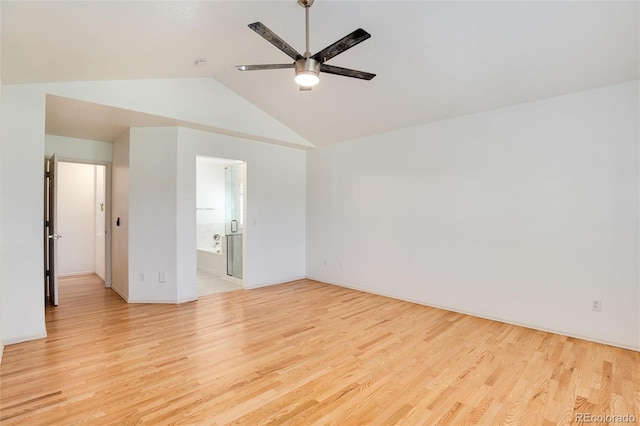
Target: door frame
x=107 y=212
x=51 y=235
x=225 y=161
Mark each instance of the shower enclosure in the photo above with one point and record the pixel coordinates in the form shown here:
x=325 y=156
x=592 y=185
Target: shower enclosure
x=234 y=212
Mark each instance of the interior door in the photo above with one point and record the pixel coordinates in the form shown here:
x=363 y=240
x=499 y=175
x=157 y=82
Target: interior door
x=51 y=235
x=233 y=194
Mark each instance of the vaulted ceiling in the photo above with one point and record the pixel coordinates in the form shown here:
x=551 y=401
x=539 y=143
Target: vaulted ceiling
x=433 y=60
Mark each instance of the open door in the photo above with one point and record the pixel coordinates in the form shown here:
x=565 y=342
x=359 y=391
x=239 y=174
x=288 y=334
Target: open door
x=50 y=232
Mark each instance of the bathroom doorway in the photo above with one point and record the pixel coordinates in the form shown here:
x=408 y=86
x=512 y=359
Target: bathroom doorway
x=220 y=213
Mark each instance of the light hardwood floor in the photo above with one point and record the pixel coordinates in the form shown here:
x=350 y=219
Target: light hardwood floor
x=302 y=353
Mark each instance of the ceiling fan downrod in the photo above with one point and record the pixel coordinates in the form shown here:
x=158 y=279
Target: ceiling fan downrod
x=306 y=4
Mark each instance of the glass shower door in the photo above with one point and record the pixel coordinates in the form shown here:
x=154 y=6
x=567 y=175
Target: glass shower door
x=234 y=210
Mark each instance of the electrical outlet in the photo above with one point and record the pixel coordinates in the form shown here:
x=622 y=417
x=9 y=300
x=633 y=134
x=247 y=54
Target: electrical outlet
x=142 y=276
x=325 y=262
x=162 y=277
x=341 y=265
x=596 y=305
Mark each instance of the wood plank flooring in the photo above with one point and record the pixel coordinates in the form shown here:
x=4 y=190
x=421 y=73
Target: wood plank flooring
x=302 y=353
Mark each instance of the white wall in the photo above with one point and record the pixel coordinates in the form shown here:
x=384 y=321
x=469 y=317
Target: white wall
x=78 y=149
x=522 y=214
x=1 y=235
x=275 y=210
x=100 y=206
x=76 y=218
x=120 y=210
x=152 y=215
x=22 y=187
x=210 y=201
x=162 y=202
x=201 y=101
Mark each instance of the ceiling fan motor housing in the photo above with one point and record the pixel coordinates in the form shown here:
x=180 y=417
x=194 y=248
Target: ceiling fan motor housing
x=307 y=71
x=307 y=65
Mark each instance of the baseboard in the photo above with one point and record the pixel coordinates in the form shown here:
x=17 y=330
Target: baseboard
x=27 y=338
x=474 y=314
x=120 y=293
x=1 y=352
x=74 y=274
x=275 y=283
x=160 y=301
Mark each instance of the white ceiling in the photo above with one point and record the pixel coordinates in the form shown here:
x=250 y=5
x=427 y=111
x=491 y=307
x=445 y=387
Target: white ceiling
x=433 y=60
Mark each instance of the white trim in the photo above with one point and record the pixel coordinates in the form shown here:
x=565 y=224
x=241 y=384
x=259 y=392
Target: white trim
x=75 y=274
x=277 y=283
x=117 y=290
x=21 y=339
x=473 y=314
x=162 y=301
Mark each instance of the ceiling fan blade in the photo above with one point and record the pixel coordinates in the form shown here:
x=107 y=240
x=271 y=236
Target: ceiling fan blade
x=330 y=69
x=263 y=67
x=346 y=42
x=274 y=39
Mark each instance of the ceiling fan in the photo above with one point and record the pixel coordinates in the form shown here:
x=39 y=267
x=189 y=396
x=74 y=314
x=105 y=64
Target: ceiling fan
x=308 y=66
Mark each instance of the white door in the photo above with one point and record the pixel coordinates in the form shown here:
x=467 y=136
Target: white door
x=51 y=228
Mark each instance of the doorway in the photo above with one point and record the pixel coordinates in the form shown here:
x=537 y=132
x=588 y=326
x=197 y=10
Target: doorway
x=220 y=213
x=77 y=240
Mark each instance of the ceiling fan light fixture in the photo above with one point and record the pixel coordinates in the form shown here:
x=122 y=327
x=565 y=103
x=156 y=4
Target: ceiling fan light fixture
x=307 y=72
x=307 y=66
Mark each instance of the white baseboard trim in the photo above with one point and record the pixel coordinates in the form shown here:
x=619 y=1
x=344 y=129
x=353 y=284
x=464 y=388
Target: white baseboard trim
x=1 y=351
x=246 y=287
x=160 y=301
x=74 y=274
x=120 y=293
x=27 y=338
x=473 y=314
